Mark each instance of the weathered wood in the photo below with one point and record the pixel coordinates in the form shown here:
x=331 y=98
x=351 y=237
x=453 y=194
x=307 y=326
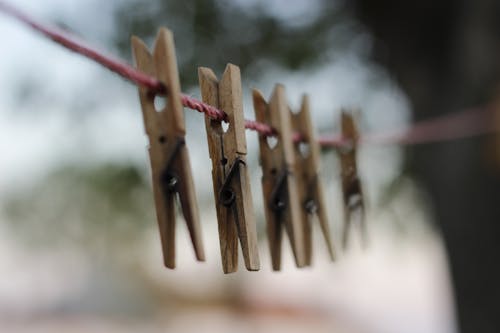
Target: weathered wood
x=307 y=168
x=170 y=165
x=281 y=199
x=231 y=182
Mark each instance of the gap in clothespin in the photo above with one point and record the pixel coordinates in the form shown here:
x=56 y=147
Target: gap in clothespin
x=319 y=246
x=354 y=201
x=357 y=237
x=272 y=141
x=304 y=149
x=178 y=207
x=294 y=110
x=160 y=102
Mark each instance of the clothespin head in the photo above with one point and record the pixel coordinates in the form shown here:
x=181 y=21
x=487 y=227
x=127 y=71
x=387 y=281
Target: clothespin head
x=231 y=181
x=351 y=184
x=170 y=165
x=281 y=199
x=307 y=167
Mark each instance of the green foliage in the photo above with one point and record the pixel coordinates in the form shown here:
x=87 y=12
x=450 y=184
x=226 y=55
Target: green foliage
x=212 y=33
x=82 y=206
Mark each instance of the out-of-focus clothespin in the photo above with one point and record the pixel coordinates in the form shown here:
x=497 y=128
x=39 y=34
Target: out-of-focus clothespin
x=171 y=169
x=279 y=184
x=233 y=198
x=351 y=184
x=307 y=166
x=495 y=110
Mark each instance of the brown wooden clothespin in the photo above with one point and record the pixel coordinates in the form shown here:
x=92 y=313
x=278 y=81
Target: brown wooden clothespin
x=351 y=185
x=233 y=198
x=281 y=196
x=307 y=165
x=171 y=169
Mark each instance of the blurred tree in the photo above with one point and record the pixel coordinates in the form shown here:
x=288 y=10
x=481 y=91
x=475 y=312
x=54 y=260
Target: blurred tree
x=445 y=56
x=245 y=35
x=97 y=209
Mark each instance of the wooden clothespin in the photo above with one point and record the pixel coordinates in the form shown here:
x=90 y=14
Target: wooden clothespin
x=307 y=165
x=233 y=198
x=351 y=185
x=171 y=169
x=279 y=184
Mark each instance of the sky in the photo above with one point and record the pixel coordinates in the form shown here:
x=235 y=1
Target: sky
x=40 y=135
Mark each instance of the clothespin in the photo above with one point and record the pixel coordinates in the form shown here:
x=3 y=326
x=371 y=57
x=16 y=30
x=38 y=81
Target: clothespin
x=351 y=185
x=307 y=165
x=279 y=183
x=233 y=198
x=171 y=169
x=495 y=107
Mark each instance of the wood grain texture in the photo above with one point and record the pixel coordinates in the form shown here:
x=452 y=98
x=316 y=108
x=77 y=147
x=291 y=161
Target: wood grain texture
x=307 y=169
x=278 y=164
x=229 y=170
x=167 y=150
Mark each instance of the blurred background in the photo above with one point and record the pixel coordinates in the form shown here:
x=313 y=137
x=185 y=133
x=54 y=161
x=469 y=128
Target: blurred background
x=79 y=247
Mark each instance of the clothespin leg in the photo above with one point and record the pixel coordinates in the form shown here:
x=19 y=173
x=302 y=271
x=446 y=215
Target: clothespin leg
x=346 y=227
x=228 y=235
x=187 y=198
x=308 y=241
x=323 y=220
x=245 y=222
x=165 y=213
x=294 y=226
x=275 y=234
x=363 y=226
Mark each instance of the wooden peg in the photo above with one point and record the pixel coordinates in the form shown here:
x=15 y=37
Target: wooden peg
x=307 y=166
x=351 y=185
x=170 y=166
x=281 y=199
x=233 y=198
x=495 y=118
